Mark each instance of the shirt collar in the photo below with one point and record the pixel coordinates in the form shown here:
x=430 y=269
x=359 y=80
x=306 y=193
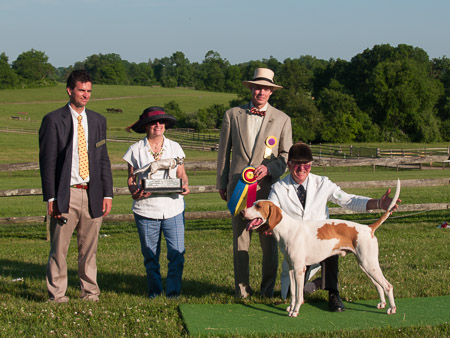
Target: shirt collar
x=75 y=114
x=262 y=109
x=164 y=141
x=296 y=185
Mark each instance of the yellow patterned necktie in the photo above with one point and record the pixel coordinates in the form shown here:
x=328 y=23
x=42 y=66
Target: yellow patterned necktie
x=82 y=151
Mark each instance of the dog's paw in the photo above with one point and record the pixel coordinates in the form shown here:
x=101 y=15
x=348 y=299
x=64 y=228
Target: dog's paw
x=391 y=310
x=293 y=314
x=381 y=305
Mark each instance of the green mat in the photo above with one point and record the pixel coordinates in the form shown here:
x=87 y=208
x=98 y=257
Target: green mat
x=221 y=319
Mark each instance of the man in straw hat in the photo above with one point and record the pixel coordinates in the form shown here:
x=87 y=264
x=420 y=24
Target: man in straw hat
x=258 y=136
x=303 y=195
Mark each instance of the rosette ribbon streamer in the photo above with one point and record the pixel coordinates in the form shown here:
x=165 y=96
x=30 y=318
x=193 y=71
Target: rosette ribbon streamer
x=244 y=195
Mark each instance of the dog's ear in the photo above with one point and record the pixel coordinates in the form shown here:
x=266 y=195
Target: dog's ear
x=275 y=215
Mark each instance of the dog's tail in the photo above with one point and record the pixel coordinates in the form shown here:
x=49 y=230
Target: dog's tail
x=388 y=212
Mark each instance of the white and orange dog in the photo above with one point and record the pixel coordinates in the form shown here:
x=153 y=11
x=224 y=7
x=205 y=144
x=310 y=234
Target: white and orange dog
x=309 y=242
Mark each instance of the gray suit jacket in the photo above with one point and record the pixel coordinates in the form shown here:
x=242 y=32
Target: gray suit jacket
x=55 y=159
x=235 y=148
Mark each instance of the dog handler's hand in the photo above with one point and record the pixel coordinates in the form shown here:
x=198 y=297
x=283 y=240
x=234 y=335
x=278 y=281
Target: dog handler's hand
x=223 y=194
x=385 y=201
x=261 y=172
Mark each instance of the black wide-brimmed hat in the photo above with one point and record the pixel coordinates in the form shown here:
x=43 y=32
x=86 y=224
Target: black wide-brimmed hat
x=152 y=114
x=301 y=153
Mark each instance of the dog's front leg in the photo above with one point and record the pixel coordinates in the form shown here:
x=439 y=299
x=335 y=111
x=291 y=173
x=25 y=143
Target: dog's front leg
x=297 y=284
x=292 y=290
x=299 y=276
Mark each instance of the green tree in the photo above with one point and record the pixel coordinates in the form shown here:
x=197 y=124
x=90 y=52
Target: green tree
x=404 y=96
x=106 y=69
x=8 y=78
x=34 y=69
x=295 y=99
x=174 y=71
x=139 y=74
x=233 y=82
x=181 y=69
x=173 y=108
x=441 y=72
x=211 y=73
x=343 y=121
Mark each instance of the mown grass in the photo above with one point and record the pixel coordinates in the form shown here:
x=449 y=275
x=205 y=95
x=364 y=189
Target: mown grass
x=131 y=99
x=414 y=256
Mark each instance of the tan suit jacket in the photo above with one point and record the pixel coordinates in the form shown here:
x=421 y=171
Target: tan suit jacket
x=235 y=148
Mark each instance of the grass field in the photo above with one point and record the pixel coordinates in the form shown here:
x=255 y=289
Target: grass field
x=414 y=254
x=131 y=99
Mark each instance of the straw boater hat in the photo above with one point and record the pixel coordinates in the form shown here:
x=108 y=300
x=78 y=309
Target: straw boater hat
x=300 y=153
x=262 y=77
x=152 y=114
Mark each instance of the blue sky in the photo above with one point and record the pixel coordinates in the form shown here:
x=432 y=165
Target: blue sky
x=139 y=30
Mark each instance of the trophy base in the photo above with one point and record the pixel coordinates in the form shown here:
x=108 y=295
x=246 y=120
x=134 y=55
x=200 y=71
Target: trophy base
x=162 y=186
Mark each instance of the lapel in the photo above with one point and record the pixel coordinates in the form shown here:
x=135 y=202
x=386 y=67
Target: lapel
x=91 y=133
x=264 y=132
x=311 y=191
x=67 y=119
x=292 y=193
x=67 y=128
x=244 y=136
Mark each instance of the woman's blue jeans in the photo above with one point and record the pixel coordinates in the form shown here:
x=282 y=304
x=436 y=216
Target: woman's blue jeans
x=150 y=231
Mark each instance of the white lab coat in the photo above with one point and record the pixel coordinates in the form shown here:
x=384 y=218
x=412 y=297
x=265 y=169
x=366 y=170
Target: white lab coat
x=320 y=191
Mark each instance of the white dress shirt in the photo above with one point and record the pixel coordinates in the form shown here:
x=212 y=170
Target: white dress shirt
x=254 y=123
x=75 y=175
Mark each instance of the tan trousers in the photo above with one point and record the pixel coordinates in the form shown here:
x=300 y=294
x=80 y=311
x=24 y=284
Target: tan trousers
x=241 y=244
x=87 y=237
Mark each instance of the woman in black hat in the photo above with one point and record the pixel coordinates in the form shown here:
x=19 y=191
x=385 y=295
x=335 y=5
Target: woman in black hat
x=158 y=213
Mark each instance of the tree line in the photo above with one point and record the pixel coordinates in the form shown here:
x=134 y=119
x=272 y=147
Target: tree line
x=386 y=93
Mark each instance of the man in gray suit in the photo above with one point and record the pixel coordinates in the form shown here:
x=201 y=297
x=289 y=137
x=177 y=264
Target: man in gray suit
x=77 y=186
x=259 y=136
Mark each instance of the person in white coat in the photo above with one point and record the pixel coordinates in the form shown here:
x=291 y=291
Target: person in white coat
x=304 y=196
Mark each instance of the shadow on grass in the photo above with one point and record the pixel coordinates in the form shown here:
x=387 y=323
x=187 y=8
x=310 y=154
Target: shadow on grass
x=20 y=276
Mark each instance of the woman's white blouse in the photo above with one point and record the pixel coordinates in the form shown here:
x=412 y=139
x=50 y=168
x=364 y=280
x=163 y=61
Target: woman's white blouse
x=157 y=206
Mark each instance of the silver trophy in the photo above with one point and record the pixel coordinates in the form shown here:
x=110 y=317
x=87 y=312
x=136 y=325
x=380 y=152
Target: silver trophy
x=162 y=185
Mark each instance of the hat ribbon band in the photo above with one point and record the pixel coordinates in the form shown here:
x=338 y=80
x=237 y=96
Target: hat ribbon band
x=152 y=113
x=262 y=78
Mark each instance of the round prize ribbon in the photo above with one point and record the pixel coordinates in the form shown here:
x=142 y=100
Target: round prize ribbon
x=248 y=175
x=271 y=141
